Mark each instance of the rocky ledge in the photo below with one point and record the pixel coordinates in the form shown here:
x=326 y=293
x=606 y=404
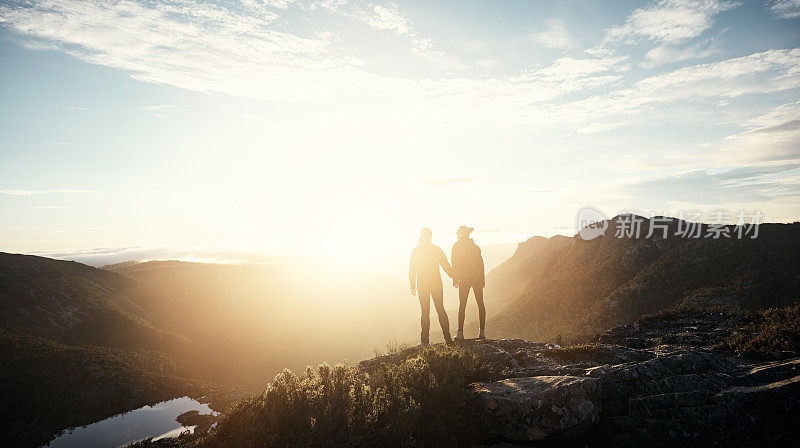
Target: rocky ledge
x=656 y=383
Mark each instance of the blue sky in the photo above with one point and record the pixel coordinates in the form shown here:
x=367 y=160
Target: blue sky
x=179 y=127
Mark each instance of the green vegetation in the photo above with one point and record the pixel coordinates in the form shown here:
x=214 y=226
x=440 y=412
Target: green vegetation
x=415 y=399
x=776 y=329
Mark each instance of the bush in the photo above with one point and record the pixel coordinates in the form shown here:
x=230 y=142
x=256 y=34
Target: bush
x=416 y=401
x=775 y=329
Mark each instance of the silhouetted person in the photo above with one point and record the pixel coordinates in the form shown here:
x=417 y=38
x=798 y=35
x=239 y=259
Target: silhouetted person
x=468 y=273
x=425 y=278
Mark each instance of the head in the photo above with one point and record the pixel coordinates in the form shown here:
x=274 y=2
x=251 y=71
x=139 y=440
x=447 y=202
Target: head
x=425 y=235
x=463 y=232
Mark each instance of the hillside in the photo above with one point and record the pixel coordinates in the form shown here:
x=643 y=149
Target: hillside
x=80 y=343
x=574 y=288
x=77 y=348
x=75 y=304
x=675 y=379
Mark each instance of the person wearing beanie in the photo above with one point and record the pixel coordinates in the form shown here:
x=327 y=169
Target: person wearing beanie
x=468 y=273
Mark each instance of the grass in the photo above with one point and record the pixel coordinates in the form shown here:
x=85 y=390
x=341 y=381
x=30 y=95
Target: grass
x=776 y=329
x=684 y=311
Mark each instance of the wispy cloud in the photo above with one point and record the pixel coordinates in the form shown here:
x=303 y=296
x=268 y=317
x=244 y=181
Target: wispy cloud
x=600 y=127
x=12 y=192
x=67 y=107
x=158 y=107
x=764 y=72
x=49 y=207
x=257 y=4
x=375 y=16
x=194 y=46
x=668 y=54
x=774 y=136
x=786 y=9
x=555 y=35
x=540 y=191
x=452 y=181
x=670 y=21
x=754 y=183
x=216 y=48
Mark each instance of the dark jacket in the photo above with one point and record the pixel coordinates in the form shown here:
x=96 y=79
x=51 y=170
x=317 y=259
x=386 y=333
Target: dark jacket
x=423 y=272
x=468 y=263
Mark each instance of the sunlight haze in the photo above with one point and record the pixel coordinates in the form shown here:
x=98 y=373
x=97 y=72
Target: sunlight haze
x=172 y=129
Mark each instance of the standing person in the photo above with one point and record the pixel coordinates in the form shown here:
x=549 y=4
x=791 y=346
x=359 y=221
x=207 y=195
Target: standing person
x=468 y=273
x=425 y=278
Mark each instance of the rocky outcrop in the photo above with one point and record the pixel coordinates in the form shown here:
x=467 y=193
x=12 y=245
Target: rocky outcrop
x=538 y=408
x=675 y=393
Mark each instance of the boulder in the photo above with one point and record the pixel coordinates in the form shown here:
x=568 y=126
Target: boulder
x=537 y=408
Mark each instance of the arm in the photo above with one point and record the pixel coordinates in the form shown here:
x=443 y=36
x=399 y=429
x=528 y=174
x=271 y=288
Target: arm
x=480 y=263
x=412 y=273
x=453 y=257
x=445 y=264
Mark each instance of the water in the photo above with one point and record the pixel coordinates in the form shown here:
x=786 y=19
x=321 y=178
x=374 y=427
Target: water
x=154 y=421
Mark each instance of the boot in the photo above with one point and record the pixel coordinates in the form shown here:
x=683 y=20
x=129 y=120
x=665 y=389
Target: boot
x=460 y=335
x=482 y=335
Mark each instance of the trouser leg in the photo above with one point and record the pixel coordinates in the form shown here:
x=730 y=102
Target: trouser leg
x=478 y=291
x=438 y=302
x=463 y=295
x=425 y=315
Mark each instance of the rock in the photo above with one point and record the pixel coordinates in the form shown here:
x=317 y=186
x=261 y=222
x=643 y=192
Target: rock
x=201 y=422
x=538 y=408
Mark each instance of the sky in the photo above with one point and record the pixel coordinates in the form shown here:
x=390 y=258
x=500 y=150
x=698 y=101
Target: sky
x=153 y=129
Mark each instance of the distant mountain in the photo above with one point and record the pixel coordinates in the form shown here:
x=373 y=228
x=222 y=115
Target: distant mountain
x=572 y=287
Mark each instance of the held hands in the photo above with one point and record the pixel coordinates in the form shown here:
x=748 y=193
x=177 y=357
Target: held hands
x=413 y=291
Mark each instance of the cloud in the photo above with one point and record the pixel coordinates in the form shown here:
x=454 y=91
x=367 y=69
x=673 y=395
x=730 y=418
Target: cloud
x=555 y=35
x=768 y=137
x=157 y=108
x=49 y=207
x=213 y=48
x=377 y=17
x=669 y=21
x=37 y=192
x=756 y=183
x=667 y=54
x=452 y=181
x=600 y=127
x=764 y=72
x=256 y=4
x=69 y=107
x=201 y=254
x=786 y=9
x=199 y=47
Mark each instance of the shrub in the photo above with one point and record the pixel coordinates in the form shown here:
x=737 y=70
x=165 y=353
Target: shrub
x=775 y=329
x=419 y=400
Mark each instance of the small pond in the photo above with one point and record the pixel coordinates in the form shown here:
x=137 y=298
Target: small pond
x=154 y=421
